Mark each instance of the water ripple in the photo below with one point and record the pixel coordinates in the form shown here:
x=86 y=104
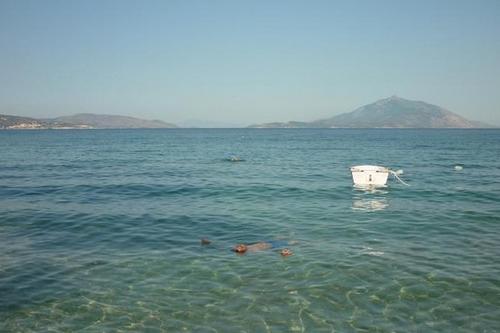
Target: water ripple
x=100 y=230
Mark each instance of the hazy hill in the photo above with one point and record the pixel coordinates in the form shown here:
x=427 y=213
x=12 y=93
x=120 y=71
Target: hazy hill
x=392 y=112
x=111 y=121
x=289 y=124
x=83 y=120
x=200 y=123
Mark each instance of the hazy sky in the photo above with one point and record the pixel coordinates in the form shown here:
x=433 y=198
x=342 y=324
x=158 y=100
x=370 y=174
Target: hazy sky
x=246 y=61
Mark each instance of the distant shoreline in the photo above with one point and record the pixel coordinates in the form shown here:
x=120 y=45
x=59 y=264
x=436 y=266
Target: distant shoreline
x=251 y=128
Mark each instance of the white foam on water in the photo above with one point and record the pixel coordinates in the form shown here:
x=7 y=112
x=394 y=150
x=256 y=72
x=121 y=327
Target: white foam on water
x=375 y=253
x=371 y=252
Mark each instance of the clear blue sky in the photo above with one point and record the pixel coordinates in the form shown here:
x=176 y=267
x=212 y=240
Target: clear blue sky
x=246 y=61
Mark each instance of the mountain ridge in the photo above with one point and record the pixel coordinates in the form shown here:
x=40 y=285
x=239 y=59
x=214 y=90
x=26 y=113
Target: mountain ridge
x=80 y=121
x=391 y=112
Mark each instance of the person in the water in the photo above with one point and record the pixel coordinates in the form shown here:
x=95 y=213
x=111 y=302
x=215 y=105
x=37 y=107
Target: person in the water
x=244 y=248
x=259 y=246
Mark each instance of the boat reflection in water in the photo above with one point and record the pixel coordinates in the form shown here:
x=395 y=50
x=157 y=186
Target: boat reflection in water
x=369 y=198
x=370 y=205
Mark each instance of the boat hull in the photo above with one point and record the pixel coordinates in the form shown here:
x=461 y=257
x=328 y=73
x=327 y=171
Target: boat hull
x=369 y=175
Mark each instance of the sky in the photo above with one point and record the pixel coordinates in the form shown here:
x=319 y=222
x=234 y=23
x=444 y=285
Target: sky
x=244 y=62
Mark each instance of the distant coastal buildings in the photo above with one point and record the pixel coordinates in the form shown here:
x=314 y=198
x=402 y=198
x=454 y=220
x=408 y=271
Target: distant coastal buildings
x=37 y=126
x=25 y=126
x=15 y=122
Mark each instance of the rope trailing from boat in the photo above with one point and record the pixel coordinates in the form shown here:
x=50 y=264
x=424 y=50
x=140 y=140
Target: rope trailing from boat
x=395 y=174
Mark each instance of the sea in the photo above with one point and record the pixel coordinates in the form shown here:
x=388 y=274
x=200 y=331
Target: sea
x=100 y=231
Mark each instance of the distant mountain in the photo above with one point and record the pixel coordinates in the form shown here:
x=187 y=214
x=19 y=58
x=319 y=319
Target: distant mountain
x=392 y=112
x=198 y=123
x=80 y=121
x=111 y=121
x=289 y=124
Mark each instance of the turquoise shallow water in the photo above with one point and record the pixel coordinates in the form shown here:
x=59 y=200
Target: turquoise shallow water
x=100 y=229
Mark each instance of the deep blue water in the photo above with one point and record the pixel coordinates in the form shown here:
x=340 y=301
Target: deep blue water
x=100 y=229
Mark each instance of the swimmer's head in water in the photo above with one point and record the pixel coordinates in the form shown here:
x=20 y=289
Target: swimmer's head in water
x=286 y=252
x=240 y=248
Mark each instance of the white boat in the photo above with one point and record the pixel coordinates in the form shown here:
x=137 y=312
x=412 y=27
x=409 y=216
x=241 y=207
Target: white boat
x=369 y=175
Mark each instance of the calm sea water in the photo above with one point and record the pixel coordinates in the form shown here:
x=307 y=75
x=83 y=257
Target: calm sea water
x=100 y=229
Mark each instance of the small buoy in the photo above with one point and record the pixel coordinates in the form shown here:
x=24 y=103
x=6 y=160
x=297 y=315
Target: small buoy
x=458 y=167
x=234 y=158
